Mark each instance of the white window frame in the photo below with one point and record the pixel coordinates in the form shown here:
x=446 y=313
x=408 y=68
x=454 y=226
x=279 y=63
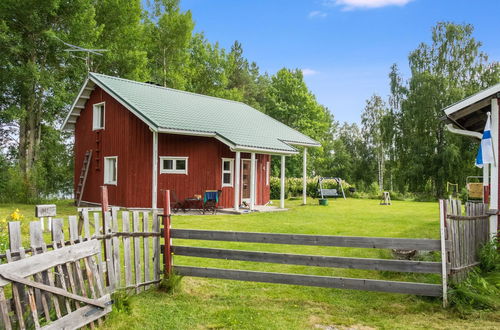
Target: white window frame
x=106 y=171
x=95 y=118
x=174 y=159
x=268 y=172
x=230 y=171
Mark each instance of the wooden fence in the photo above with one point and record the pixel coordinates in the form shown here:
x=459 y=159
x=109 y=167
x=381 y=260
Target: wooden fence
x=129 y=251
x=128 y=258
x=468 y=233
x=312 y=260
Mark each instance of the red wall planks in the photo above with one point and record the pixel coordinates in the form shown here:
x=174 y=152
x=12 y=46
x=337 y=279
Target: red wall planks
x=124 y=136
x=130 y=139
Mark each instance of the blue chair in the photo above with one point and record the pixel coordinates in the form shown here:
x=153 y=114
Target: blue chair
x=210 y=200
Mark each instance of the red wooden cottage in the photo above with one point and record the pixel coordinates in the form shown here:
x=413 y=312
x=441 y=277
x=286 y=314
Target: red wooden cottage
x=144 y=138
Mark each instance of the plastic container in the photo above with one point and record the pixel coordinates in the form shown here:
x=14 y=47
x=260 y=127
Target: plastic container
x=323 y=201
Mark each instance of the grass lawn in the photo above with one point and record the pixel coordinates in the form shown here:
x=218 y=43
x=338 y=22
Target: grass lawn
x=211 y=303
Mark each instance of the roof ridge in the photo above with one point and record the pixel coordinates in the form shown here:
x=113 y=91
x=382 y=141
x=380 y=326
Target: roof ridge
x=167 y=88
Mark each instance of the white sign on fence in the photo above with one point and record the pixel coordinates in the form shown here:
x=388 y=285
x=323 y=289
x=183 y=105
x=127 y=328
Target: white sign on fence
x=46 y=210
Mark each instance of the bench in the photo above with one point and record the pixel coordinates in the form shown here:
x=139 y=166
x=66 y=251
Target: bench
x=328 y=193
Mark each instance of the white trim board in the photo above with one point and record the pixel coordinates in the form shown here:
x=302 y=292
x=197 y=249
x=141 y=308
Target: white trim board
x=488 y=92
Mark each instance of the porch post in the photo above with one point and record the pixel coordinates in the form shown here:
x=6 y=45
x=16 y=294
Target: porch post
x=282 y=183
x=154 y=174
x=486 y=183
x=494 y=167
x=237 y=167
x=304 y=178
x=252 y=181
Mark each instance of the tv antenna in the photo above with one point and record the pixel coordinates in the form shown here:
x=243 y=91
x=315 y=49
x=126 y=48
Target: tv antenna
x=88 y=51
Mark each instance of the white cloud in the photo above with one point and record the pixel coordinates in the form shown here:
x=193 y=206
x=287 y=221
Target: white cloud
x=309 y=72
x=317 y=14
x=365 y=4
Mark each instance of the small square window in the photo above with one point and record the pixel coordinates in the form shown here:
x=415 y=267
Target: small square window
x=174 y=165
x=227 y=172
x=98 y=116
x=111 y=170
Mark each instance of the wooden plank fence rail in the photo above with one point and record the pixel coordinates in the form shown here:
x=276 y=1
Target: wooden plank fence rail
x=316 y=240
x=311 y=260
x=312 y=280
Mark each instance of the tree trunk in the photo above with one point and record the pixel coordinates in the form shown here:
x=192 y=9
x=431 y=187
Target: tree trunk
x=29 y=136
x=381 y=169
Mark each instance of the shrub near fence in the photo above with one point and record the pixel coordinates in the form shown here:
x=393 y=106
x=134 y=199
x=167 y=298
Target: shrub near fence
x=293 y=187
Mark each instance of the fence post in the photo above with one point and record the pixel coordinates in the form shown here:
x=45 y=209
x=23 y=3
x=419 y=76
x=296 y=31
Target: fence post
x=444 y=259
x=167 y=255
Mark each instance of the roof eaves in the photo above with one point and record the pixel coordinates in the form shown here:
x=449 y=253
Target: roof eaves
x=65 y=122
x=272 y=151
x=302 y=144
x=474 y=98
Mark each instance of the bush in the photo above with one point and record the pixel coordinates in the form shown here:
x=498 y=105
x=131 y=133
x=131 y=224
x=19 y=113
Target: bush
x=489 y=257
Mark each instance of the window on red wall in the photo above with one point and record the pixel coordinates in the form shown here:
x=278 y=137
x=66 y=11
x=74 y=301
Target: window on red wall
x=111 y=170
x=174 y=165
x=227 y=172
x=98 y=116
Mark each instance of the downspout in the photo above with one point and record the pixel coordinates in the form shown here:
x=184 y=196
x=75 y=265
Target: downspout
x=464 y=132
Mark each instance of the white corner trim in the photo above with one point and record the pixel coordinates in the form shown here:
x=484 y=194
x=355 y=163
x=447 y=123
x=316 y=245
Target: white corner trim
x=154 y=185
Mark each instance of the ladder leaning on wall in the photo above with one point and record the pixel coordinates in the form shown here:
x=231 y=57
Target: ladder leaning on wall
x=83 y=177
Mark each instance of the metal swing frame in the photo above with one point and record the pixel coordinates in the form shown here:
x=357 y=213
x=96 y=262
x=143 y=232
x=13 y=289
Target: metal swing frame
x=330 y=192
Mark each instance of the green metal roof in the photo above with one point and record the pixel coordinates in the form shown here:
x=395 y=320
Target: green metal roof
x=170 y=110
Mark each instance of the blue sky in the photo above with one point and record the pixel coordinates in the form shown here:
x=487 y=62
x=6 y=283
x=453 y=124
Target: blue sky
x=344 y=47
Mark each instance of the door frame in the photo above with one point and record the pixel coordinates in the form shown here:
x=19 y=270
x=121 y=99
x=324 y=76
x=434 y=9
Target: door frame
x=241 y=179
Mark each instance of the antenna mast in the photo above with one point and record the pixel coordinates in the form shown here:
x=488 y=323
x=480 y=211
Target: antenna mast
x=88 y=51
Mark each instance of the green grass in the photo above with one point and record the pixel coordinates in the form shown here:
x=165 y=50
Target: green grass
x=212 y=303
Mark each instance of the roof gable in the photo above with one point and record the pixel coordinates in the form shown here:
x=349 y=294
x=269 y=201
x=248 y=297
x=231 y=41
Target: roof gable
x=173 y=111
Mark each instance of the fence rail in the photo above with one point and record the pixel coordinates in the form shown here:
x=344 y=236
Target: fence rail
x=433 y=290
x=317 y=240
x=313 y=260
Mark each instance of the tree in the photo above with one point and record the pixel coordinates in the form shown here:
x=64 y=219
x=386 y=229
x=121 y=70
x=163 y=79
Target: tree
x=169 y=33
x=290 y=101
x=442 y=73
x=121 y=33
x=38 y=78
x=371 y=119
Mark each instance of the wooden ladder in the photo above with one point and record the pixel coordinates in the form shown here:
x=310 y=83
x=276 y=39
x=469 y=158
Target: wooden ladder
x=83 y=177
